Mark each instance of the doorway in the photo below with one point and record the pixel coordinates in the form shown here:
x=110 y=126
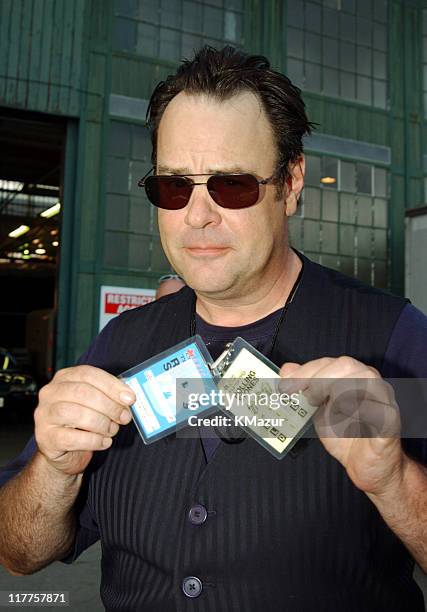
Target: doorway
x=32 y=149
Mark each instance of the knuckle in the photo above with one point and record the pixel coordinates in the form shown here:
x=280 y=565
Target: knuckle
x=41 y=415
x=288 y=368
x=61 y=373
x=78 y=372
x=81 y=392
x=90 y=441
x=96 y=423
x=346 y=363
x=43 y=393
x=38 y=415
x=86 y=372
x=113 y=428
x=95 y=441
x=327 y=360
x=117 y=411
x=111 y=410
x=374 y=371
x=81 y=419
x=104 y=424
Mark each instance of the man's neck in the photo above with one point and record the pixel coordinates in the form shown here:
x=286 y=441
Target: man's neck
x=258 y=304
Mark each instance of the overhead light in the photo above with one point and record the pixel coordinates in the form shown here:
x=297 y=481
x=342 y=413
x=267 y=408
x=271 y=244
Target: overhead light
x=55 y=243
x=22 y=229
x=328 y=180
x=26 y=252
x=40 y=251
x=50 y=212
x=36 y=241
x=11 y=185
x=51 y=187
x=53 y=232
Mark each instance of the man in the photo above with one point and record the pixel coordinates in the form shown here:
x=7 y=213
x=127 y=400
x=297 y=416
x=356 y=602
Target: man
x=169 y=283
x=208 y=525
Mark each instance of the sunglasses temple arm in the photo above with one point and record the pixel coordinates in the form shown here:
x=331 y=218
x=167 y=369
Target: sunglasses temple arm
x=141 y=182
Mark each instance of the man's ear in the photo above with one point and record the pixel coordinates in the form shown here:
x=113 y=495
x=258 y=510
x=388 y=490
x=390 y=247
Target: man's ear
x=294 y=185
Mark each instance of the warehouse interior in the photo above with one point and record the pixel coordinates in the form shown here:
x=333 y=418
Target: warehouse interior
x=32 y=146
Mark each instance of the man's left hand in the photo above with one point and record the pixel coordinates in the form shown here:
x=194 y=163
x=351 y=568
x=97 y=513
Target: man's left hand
x=357 y=421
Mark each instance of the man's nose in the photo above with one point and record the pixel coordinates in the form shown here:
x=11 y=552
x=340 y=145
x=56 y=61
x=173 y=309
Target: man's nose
x=201 y=209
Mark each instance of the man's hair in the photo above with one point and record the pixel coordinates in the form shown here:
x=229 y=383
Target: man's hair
x=222 y=74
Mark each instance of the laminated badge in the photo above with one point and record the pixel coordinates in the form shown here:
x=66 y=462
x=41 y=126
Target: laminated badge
x=159 y=409
x=251 y=394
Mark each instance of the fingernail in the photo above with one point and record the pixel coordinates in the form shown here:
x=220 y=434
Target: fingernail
x=125 y=417
x=126 y=397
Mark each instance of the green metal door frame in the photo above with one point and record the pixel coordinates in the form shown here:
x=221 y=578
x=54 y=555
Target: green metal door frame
x=68 y=233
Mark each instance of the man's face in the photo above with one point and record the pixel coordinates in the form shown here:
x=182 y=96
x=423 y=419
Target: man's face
x=220 y=252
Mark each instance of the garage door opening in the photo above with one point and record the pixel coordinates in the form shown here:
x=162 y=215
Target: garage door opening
x=31 y=174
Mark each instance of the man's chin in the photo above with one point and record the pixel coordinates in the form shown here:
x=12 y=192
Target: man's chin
x=208 y=287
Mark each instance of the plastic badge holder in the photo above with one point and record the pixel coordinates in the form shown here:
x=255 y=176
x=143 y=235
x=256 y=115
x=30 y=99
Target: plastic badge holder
x=244 y=370
x=155 y=412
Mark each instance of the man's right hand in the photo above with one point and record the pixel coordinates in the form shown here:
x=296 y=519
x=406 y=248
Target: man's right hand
x=79 y=412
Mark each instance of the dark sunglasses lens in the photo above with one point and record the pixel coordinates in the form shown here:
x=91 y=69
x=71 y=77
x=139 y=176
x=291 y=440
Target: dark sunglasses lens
x=234 y=191
x=169 y=192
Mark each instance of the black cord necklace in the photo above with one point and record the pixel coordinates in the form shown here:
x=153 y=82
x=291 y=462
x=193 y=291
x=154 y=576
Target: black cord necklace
x=268 y=353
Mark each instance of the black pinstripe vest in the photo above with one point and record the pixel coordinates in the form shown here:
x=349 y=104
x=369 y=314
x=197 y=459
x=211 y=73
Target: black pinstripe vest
x=292 y=535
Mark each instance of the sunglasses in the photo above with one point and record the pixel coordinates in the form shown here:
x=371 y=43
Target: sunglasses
x=167 y=277
x=173 y=192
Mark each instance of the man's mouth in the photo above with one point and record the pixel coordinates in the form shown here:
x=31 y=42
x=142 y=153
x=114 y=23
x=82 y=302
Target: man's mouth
x=206 y=250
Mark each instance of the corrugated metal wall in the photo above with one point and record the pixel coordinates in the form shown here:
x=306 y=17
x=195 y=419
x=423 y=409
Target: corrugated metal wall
x=41 y=45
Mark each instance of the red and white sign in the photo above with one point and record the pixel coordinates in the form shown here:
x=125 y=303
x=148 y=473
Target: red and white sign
x=115 y=300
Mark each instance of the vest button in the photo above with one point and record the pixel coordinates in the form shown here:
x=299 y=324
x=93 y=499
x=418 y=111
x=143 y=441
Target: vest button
x=197 y=514
x=192 y=586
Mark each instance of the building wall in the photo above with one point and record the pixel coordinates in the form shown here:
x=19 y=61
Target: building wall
x=97 y=61
x=41 y=46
